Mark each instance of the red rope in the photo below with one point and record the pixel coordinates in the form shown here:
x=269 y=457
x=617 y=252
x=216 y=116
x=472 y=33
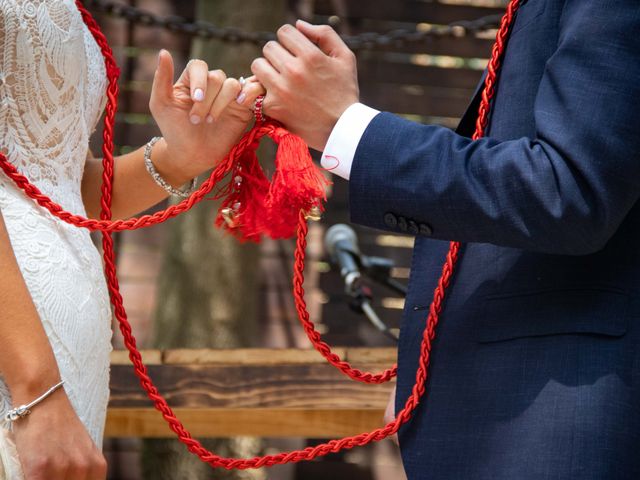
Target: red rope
x=106 y=226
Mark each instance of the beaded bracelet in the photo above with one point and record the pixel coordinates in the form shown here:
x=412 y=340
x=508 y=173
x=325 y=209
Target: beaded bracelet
x=158 y=178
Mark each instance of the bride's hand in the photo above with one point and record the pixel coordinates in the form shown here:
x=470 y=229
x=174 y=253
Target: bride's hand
x=390 y=412
x=199 y=116
x=52 y=443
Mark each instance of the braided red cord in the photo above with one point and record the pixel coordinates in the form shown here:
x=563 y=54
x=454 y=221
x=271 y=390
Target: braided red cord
x=106 y=226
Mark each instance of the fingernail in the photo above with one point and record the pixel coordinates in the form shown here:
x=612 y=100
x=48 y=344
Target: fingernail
x=198 y=95
x=209 y=119
x=195 y=119
x=306 y=24
x=241 y=98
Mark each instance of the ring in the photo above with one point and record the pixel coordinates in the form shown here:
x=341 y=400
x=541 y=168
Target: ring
x=257 y=109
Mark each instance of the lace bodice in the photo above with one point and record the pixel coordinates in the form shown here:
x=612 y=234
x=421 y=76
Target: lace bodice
x=52 y=84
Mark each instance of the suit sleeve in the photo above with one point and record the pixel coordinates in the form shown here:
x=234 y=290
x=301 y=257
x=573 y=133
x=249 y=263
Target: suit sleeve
x=564 y=191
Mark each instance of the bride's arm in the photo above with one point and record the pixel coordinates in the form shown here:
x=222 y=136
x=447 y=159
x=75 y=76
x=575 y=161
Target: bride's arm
x=200 y=121
x=133 y=188
x=51 y=441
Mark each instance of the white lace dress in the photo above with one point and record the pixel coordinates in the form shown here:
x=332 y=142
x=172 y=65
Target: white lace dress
x=52 y=84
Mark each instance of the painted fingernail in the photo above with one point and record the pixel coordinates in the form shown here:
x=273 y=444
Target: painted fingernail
x=195 y=119
x=198 y=95
x=241 y=98
x=209 y=119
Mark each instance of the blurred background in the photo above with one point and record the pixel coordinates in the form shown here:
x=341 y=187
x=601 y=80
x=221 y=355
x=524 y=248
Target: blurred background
x=216 y=318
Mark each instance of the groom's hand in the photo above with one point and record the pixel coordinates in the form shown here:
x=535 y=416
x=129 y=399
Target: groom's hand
x=311 y=79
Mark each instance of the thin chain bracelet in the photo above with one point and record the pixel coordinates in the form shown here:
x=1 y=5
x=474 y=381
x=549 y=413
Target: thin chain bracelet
x=158 y=178
x=24 y=410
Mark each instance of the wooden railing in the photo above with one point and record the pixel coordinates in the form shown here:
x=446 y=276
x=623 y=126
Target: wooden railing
x=257 y=392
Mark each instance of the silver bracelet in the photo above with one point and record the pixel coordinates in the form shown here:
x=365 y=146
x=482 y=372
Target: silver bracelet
x=24 y=410
x=158 y=178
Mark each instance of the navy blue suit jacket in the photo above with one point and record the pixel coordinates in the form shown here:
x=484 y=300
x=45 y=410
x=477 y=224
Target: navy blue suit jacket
x=535 y=373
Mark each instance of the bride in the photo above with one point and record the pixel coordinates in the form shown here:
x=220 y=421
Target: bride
x=55 y=317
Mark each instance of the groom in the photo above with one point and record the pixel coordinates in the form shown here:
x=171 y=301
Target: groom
x=535 y=372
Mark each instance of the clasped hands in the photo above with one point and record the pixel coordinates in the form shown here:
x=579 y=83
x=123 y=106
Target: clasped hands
x=308 y=77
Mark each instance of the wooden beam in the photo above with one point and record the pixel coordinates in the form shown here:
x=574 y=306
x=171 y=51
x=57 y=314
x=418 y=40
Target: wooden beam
x=416 y=100
x=414 y=11
x=247 y=357
x=225 y=422
x=466 y=47
x=254 y=356
x=207 y=386
x=263 y=392
x=378 y=70
x=149 y=357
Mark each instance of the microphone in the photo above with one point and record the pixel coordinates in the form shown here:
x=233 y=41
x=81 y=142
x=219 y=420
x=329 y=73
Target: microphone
x=342 y=244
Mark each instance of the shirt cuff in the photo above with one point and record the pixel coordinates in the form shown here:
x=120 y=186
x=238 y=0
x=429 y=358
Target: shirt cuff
x=341 y=147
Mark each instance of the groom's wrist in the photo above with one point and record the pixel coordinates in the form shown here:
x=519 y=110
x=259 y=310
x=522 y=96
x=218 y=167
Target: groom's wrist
x=341 y=146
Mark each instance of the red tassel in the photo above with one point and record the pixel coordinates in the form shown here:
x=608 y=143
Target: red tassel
x=296 y=185
x=252 y=204
x=244 y=197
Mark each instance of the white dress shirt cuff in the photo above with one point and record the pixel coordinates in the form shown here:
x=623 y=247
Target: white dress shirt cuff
x=341 y=147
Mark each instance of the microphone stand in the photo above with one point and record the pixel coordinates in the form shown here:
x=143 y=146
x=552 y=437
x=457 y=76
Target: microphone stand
x=361 y=302
x=342 y=244
x=377 y=269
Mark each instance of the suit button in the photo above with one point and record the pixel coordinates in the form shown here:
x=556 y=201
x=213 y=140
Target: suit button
x=413 y=228
x=425 y=230
x=402 y=224
x=390 y=220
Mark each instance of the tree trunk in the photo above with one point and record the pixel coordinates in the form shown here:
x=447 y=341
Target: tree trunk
x=208 y=286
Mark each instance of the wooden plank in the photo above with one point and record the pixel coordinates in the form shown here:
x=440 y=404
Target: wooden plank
x=379 y=70
x=253 y=356
x=376 y=356
x=210 y=386
x=467 y=47
x=417 y=100
x=225 y=422
x=407 y=10
x=247 y=357
x=149 y=357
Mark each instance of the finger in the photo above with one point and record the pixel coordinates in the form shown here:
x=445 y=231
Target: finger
x=325 y=37
x=162 y=88
x=200 y=110
x=277 y=55
x=99 y=468
x=390 y=411
x=195 y=77
x=251 y=91
x=294 y=41
x=78 y=470
x=265 y=73
x=267 y=105
x=229 y=92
